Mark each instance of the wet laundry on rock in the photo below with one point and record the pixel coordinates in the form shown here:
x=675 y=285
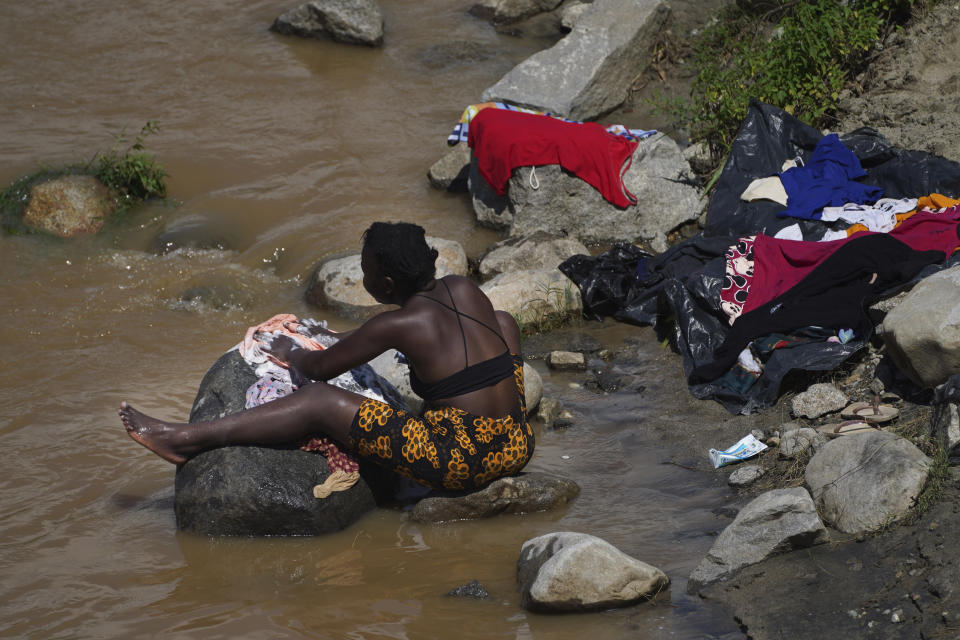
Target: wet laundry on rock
x=461 y=131
x=503 y=140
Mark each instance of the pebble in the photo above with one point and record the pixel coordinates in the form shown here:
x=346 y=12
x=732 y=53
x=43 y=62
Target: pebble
x=897 y=616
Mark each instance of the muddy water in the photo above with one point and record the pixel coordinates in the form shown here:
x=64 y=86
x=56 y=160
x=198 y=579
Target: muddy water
x=285 y=150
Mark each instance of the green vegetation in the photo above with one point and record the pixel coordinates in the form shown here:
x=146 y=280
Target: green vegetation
x=795 y=54
x=126 y=168
x=133 y=172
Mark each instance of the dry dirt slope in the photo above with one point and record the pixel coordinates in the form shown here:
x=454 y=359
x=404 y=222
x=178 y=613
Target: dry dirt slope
x=911 y=91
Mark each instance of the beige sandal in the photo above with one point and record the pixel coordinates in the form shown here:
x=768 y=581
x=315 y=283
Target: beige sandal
x=848 y=428
x=866 y=411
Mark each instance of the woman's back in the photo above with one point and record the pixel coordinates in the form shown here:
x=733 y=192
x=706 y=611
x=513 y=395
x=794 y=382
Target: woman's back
x=453 y=328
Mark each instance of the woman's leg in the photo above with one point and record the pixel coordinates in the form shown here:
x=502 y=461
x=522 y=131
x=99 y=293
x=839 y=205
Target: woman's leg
x=314 y=408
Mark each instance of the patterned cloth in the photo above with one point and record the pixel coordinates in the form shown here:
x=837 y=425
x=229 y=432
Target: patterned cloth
x=447 y=448
x=739 y=275
x=461 y=131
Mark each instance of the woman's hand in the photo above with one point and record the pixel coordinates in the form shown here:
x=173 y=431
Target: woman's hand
x=281 y=348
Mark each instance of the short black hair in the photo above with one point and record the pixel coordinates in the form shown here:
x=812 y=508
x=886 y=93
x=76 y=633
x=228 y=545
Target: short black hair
x=403 y=254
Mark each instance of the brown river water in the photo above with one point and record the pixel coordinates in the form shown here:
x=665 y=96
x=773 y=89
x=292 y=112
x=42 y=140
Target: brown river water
x=288 y=149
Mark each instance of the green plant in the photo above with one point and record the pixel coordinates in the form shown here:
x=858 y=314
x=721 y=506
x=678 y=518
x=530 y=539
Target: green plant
x=131 y=172
x=797 y=56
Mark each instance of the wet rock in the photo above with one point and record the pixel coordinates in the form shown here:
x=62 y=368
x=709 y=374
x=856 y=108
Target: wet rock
x=561 y=203
x=819 y=399
x=350 y=21
x=566 y=361
x=449 y=173
x=568 y=571
x=472 y=589
x=922 y=333
x=256 y=491
x=507 y=11
x=861 y=483
x=190 y=232
x=589 y=72
x=744 y=475
x=524 y=493
x=69 y=206
x=533 y=297
x=775 y=522
x=337 y=284
x=535 y=250
x=551 y=411
x=796 y=442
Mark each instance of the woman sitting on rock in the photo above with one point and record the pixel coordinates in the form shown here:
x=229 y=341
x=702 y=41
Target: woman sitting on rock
x=464 y=361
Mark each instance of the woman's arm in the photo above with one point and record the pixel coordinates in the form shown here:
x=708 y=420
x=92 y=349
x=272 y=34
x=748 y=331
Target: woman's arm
x=357 y=347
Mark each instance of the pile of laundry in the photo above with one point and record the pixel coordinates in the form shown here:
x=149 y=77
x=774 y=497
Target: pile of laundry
x=803 y=232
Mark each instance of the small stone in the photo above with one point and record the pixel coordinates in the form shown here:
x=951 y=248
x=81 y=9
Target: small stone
x=744 y=475
x=758 y=434
x=472 y=589
x=566 y=361
x=934 y=526
x=897 y=616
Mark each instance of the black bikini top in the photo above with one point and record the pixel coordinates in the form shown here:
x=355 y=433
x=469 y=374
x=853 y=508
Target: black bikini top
x=471 y=377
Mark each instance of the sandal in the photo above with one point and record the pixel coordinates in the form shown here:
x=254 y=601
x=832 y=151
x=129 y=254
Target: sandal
x=865 y=411
x=848 y=428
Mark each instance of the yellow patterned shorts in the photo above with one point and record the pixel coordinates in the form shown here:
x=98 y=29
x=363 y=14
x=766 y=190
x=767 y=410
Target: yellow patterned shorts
x=446 y=448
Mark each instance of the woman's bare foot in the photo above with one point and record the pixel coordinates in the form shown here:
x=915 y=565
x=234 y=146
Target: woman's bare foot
x=156 y=435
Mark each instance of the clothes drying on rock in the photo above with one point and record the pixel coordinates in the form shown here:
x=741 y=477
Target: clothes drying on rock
x=504 y=140
x=461 y=131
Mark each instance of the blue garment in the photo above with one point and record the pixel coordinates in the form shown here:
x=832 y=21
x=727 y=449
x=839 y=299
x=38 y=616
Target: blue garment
x=827 y=179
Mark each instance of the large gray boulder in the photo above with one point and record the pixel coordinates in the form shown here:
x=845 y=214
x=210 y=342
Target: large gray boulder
x=69 y=206
x=337 y=284
x=507 y=11
x=569 y=571
x=525 y=493
x=863 y=482
x=256 y=491
x=534 y=250
x=774 y=522
x=350 y=21
x=559 y=202
x=589 y=72
x=922 y=333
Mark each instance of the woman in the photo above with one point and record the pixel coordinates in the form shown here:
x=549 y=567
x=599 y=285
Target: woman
x=463 y=359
